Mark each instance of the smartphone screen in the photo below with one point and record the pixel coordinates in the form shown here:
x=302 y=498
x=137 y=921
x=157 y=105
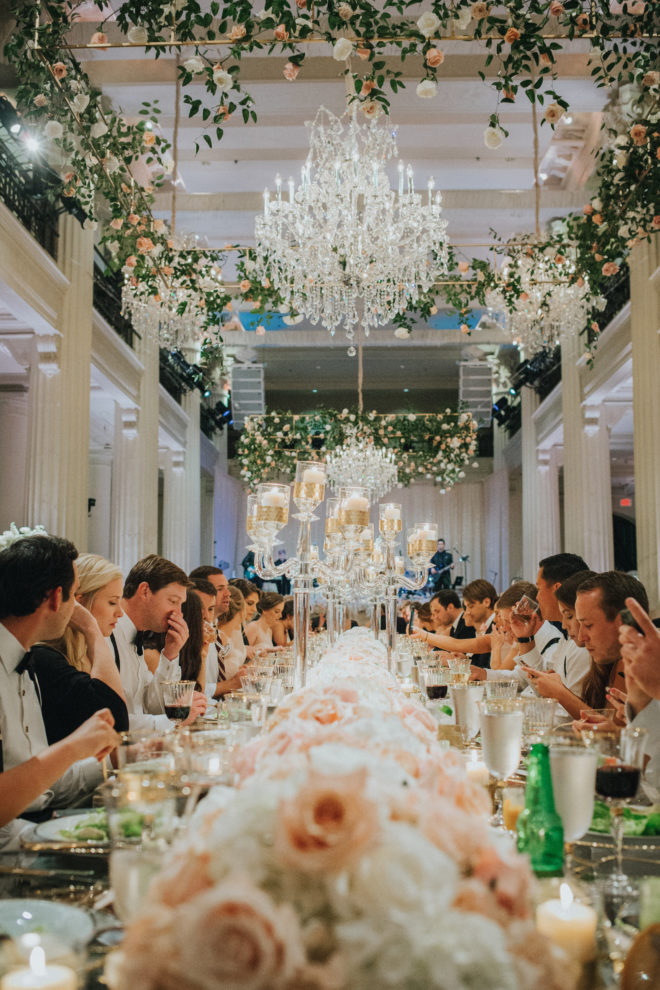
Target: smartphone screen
x=629 y=619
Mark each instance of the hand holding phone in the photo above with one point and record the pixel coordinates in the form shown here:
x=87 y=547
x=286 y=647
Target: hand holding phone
x=628 y=619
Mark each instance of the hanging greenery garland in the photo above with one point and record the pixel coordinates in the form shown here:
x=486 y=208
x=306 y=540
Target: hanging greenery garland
x=437 y=446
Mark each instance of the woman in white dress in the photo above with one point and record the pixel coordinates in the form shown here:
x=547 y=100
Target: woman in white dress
x=230 y=633
x=260 y=632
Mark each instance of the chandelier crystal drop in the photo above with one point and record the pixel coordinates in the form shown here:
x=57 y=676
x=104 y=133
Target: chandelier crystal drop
x=343 y=247
x=176 y=317
x=358 y=463
x=551 y=304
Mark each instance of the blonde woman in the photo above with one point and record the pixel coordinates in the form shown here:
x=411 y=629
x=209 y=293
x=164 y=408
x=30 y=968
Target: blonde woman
x=230 y=634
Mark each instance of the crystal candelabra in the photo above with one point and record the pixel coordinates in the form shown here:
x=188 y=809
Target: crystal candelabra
x=344 y=247
x=354 y=564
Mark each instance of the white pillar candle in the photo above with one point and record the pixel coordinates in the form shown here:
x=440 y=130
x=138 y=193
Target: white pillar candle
x=391 y=512
x=274 y=498
x=477 y=772
x=569 y=924
x=40 y=975
x=313 y=476
x=426 y=534
x=355 y=503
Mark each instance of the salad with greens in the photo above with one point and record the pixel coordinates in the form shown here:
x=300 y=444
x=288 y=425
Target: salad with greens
x=636 y=821
x=94 y=827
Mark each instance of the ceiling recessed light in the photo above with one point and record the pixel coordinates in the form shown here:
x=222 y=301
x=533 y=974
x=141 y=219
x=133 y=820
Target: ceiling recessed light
x=405 y=390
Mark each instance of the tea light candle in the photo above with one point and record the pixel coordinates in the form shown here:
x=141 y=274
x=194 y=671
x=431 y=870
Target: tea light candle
x=391 y=512
x=569 y=924
x=274 y=498
x=355 y=503
x=40 y=975
x=313 y=476
x=477 y=771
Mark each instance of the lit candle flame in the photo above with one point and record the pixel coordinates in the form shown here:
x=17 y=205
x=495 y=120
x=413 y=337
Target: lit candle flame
x=565 y=896
x=38 y=961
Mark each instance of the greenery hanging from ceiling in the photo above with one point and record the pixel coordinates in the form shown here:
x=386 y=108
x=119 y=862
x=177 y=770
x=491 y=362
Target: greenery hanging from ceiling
x=113 y=166
x=426 y=445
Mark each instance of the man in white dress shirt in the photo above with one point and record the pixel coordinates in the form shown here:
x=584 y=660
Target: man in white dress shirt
x=38 y=582
x=154 y=591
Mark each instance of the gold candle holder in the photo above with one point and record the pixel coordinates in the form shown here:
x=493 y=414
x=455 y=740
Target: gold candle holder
x=273 y=513
x=353 y=517
x=389 y=525
x=303 y=491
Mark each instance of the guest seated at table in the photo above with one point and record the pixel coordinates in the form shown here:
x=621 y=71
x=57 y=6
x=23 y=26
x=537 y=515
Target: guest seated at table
x=641 y=658
x=448 y=615
x=504 y=647
x=479 y=598
x=192 y=658
x=251 y=595
x=77 y=672
x=231 y=659
x=38 y=583
x=23 y=784
x=154 y=592
x=571 y=662
x=260 y=632
x=423 y=619
x=283 y=630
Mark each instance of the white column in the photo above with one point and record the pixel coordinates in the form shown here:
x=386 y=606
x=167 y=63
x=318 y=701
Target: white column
x=206 y=520
x=126 y=517
x=547 y=504
x=13 y=444
x=146 y=505
x=645 y=328
x=530 y=515
x=99 y=515
x=192 y=504
x=571 y=403
x=44 y=501
x=598 y=540
x=175 y=536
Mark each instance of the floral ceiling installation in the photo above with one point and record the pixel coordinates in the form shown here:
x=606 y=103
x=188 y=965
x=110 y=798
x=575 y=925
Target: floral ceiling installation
x=425 y=445
x=355 y=854
x=112 y=165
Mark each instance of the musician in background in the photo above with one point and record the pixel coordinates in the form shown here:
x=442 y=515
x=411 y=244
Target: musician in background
x=442 y=564
x=249 y=570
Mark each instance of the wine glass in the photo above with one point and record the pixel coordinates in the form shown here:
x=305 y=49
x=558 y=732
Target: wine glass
x=177 y=698
x=466 y=698
x=573 y=769
x=617 y=780
x=501 y=723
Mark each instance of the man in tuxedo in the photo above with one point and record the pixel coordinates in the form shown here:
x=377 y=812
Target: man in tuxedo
x=38 y=582
x=448 y=615
x=442 y=564
x=154 y=591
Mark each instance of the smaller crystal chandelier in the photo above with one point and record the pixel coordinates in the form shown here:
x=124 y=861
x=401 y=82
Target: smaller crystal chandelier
x=358 y=463
x=344 y=248
x=552 y=303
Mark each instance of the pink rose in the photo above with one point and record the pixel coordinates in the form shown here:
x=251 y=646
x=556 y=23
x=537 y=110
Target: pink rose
x=556 y=8
x=434 y=57
x=610 y=268
x=638 y=134
x=291 y=71
x=281 y=33
x=234 y=936
x=327 y=824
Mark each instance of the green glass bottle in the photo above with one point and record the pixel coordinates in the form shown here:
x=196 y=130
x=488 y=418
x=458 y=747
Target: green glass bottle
x=540 y=829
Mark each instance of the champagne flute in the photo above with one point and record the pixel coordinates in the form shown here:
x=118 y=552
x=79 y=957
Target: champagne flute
x=501 y=723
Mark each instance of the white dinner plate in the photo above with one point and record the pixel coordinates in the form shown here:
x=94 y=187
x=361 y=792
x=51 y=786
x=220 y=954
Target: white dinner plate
x=18 y=916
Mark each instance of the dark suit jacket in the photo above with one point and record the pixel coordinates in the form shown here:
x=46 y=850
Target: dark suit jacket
x=69 y=696
x=461 y=631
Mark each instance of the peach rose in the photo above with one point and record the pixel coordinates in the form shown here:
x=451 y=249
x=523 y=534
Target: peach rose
x=182 y=879
x=235 y=936
x=545 y=59
x=367 y=86
x=281 y=33
x=463 y=267
x=650 y=79
x=598 y=257
x=610 y=268
x=133 y=218
x=327 y=824
x=290 y=71
x=144 y=244
x=131 y=261
x=479 y=11
x=655 y=222
x=556 y=8
x=40 y=100
x=363 y=53
x=582 y=22
x=434 y=57
x=512 y=35
x=245 y=285
x=301 y=4
x=117 y=223
x=597 y=218
x=553 y=113
x=237 y=32
x=638 y=134
x=588 y=209
x=149 y=139
x=464 y=328
x=371 y=109
x=59 y=70
x=158 y=225
x=99 y=39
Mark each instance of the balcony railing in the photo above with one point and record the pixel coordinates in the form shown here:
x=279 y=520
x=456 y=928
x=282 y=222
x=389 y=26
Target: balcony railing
x=24 y=189
x=107 y=301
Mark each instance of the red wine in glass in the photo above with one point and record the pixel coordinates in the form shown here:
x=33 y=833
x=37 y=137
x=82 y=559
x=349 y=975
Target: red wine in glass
x=618 y=781
x=436 y=691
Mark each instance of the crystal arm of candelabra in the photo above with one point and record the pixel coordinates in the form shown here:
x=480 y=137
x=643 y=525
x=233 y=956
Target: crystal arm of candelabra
x=416 y=582
x=266 y=567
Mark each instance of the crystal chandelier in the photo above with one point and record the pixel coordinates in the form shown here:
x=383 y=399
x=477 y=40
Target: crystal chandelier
x=343 y=247
x=358 y=463
x=176 y=317
x=552 y=302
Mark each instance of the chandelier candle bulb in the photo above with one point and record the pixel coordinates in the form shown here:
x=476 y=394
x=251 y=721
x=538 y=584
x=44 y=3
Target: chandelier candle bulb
x=569 y=924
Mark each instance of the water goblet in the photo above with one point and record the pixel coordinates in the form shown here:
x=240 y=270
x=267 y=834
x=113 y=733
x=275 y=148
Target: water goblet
x=501 y=722
x=177 y=699
x=502 y=688
x=466 y=698
x=573 y=769
x=538 y=718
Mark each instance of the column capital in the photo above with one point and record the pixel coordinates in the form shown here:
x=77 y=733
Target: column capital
x=544 y=458
x=178 y=460
x=591 y=415
x=48 y=353
x=130 y=422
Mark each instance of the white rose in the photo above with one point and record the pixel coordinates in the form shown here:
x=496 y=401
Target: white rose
x=167 y=164
x=80 y=102
x=342 y=50
x=137 y=35
x=426 y=89
x=98 y=129
x=194 y=65
x=597 y=204
x=493 y=137
x=428 y=24
x=621 y=159
x=402 y=333
x=54 y=130
x=222 y=79
x=462 y=19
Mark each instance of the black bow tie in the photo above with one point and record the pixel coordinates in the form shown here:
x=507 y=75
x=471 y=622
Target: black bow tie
x=138 y=642
x=26 y=664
